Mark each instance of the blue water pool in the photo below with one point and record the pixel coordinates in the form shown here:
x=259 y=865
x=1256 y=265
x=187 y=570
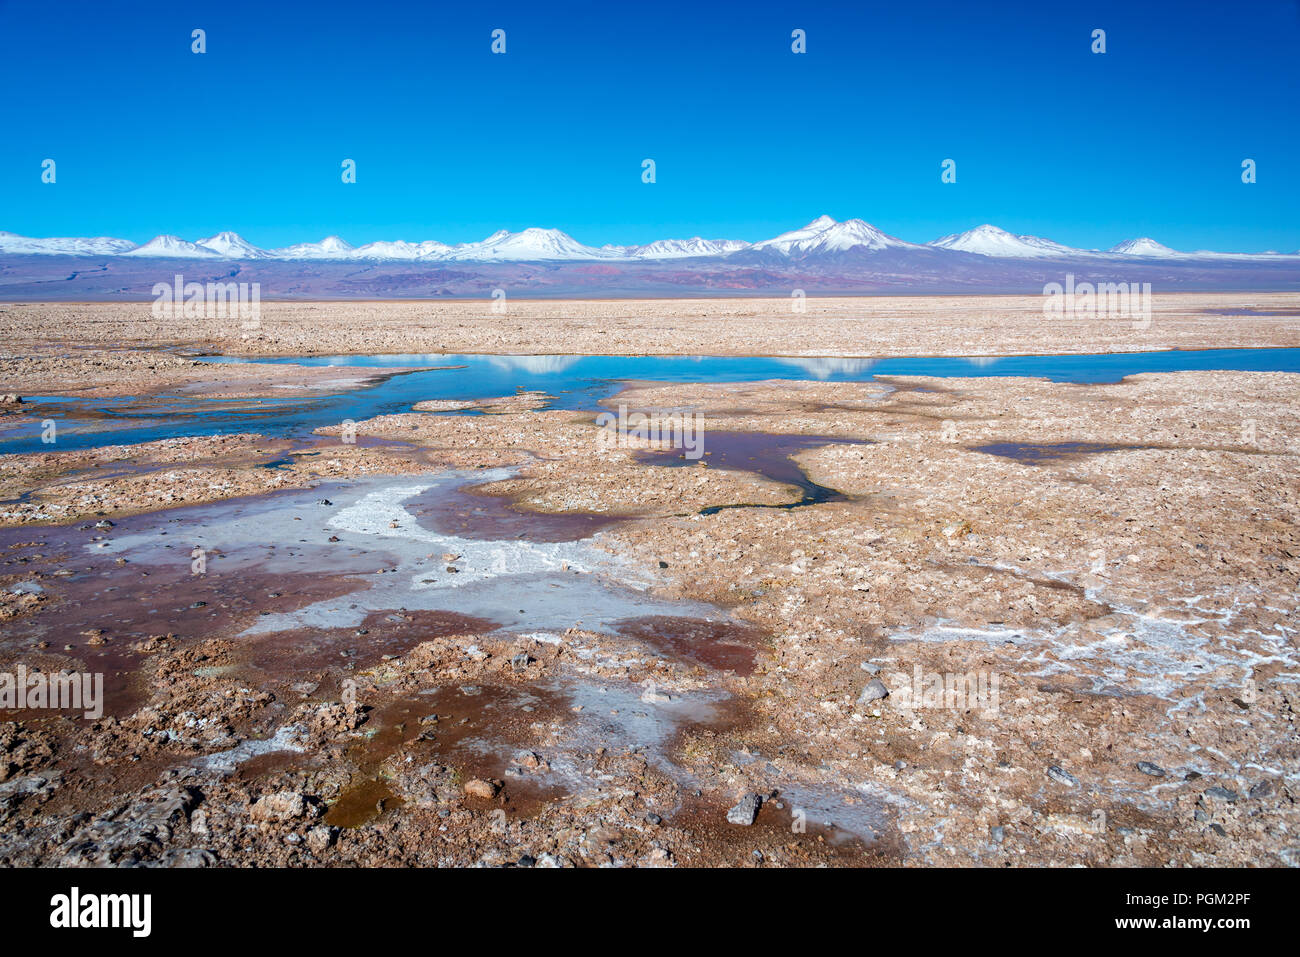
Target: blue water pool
x=575 y=382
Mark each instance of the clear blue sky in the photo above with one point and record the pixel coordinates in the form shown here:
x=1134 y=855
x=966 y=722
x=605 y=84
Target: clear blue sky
x=453 y=142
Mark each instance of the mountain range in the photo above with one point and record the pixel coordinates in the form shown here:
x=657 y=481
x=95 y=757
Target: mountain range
x=825 y=257
x=821 y=237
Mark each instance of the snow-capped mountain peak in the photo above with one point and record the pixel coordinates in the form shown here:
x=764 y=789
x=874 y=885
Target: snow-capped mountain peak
x=1144 y=246
x=825 y=235
x=786 y=241
x=16 y=245
x=853 y=233
x=989 y=240
x=331 y=247
x=533 y=243
x=429 y=249
x=230 y=245
x=679 y=248
x=172 y=247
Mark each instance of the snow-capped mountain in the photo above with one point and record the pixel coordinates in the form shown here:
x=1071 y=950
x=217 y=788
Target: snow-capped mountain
x=822 y=240
x=679 y=248
x=401 y=250
x=172 y=247
x=98 y=246
x=331 y=247
x=1145 y=246
x=786 y=241
x=230 y=245
x=988 y=240
x=825 y=235
x=525 y=246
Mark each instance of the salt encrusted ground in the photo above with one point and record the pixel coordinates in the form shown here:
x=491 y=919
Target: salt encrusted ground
x=1122 y=558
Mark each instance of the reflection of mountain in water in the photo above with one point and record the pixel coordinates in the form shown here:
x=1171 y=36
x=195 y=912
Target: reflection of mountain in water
x=534 y=365
x=825 y=367
x=982 y=361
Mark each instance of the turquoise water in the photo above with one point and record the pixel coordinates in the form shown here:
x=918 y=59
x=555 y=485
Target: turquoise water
x=575 y=382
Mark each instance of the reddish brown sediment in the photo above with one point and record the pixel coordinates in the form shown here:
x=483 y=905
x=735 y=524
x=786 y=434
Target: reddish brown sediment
x=475 y=513
x=725 y=646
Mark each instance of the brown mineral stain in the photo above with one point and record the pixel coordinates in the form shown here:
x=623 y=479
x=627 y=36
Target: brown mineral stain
x=477 y=734
x=724 y=645
x=473 y=513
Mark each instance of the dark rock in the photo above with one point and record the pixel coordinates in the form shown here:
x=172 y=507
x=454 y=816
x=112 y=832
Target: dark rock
x=1155 y=770
x=1221 y=794
x=1062 y=776
x=1262 y=790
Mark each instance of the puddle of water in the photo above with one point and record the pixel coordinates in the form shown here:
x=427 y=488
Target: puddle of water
x=517 y=583
x=391 y=632
x=362 y=802
x=469 y=513
x=1250 y=311
x=99 y=610
x=767 y=454
x=574 y=382
x=1034 y=454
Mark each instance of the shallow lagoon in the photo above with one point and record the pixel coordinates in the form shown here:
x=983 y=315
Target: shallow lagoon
x=574 y=382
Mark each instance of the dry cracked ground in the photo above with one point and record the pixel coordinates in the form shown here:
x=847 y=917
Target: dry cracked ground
x=989 y=622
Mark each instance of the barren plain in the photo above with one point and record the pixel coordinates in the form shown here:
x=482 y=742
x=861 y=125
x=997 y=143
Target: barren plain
x=909 y=621
x=863 y=326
